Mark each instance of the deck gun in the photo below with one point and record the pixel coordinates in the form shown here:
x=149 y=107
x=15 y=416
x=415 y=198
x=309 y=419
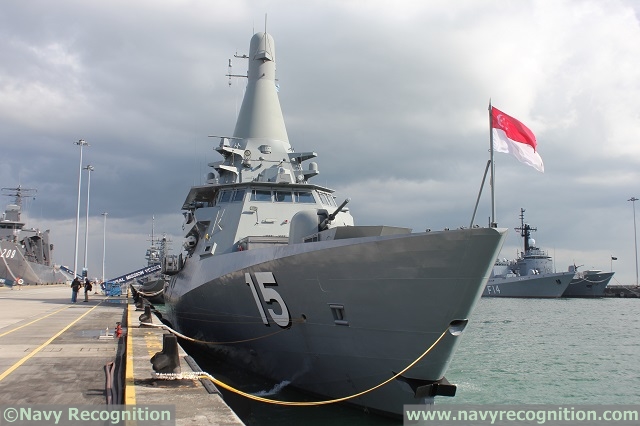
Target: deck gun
x=325 y=223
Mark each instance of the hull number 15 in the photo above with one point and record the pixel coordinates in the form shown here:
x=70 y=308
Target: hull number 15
x=269 y=295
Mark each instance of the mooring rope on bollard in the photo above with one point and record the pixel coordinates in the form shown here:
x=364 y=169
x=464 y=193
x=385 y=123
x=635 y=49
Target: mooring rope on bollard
x=203 y=374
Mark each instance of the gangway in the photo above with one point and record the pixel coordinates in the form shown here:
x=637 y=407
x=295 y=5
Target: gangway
x=114 y=285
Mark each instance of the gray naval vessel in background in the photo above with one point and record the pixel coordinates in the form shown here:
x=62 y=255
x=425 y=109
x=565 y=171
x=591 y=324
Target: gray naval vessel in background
x=151 y=286
x=588 y=283
x=276 y=277
x=26 y=254
x=531 y=275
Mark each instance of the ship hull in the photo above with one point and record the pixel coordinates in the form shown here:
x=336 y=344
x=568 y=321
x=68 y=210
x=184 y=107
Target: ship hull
x=153 y=290
x=591 y=285
x=551 y=285
x=357 y=310
x=14 y=267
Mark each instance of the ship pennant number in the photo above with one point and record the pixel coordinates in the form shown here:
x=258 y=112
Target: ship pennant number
x=269 y=295
x=7 y=253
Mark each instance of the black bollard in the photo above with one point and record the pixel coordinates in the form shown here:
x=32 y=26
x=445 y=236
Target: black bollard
x=146 y=317
x=168 y=360
x=136 y=295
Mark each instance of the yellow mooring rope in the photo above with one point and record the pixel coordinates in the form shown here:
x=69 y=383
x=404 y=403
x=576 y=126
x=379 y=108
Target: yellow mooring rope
x=202 y=374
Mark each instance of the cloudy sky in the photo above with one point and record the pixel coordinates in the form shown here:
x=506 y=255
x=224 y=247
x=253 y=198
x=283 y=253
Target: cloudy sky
x=392 y=96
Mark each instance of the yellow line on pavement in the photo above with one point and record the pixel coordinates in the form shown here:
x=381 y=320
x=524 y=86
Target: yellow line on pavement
x=39 y=348
x=129 y=386
x=41 y=318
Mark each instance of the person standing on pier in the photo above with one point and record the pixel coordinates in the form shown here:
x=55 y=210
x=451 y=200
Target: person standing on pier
x=87 y=289
x=75 y=288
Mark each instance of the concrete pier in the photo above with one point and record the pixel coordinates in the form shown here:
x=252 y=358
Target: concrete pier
x=53 y=351
x=199 y=401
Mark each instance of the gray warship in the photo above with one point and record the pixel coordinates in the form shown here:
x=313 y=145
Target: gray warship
x=276 y=278
x=26 y=254
x=151 y=287
x=531 y=275
x=588 y=283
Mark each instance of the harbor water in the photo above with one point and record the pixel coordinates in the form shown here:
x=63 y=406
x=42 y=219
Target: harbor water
x=514 y=351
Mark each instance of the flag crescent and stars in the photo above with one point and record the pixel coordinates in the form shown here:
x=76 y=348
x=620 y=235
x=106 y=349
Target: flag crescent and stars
x=514 y=129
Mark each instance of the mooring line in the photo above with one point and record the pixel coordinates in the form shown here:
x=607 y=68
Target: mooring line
x=203 y=374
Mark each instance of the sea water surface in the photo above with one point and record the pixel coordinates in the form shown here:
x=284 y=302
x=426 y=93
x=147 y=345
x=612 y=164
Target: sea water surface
x=514 y=351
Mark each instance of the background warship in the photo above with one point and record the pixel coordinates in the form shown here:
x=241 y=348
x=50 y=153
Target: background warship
x=276 y=277
x=26 y=254
x=531 y=275
x=151 y=286
x=588 y=283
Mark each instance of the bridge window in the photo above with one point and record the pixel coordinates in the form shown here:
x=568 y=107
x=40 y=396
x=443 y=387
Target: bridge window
x=238 y=195
x=225 y=196
x=327 y=199
x=260 y=195
x=231 y=195
x=304 y=197
x=283 y=197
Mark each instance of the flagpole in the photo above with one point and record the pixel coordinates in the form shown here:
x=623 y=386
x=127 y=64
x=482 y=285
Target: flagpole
x=493 y=171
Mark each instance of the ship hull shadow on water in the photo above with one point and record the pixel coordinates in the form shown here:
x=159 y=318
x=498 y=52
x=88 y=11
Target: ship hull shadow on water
x=276 y=277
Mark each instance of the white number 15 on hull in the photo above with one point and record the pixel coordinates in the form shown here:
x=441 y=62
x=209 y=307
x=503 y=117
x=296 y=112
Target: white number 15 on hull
x=270 y=295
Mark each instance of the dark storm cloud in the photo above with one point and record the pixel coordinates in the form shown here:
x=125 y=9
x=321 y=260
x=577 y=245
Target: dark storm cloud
x=393 y=97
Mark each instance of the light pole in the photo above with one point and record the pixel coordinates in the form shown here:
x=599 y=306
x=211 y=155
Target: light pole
x=635 y=236
x=81 y=143
x=85 y=272
x=104 y=242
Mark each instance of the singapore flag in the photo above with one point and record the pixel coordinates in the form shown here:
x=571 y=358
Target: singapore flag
x=513 y=137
